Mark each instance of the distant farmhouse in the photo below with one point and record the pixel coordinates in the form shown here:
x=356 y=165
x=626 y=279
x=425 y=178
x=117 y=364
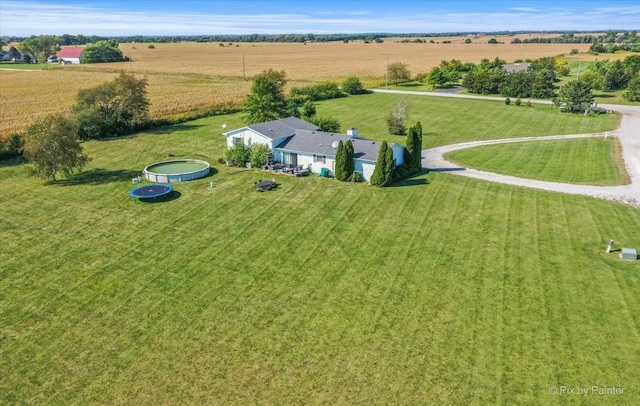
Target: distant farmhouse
x=515 y=67
x=297 y=143
x=70 y=55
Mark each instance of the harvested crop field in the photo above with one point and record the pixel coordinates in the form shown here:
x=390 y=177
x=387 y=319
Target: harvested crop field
x=191 y=77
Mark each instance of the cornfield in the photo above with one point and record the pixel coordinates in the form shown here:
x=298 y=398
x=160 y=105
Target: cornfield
x=192 y=77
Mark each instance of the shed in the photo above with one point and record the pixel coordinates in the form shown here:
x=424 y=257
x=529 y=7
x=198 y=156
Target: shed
x=628 y=254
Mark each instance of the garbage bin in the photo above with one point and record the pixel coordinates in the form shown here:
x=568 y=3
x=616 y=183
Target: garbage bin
x=323 y=172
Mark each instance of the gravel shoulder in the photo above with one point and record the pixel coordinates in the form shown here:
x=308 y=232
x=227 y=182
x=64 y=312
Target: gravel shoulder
x=628 y=134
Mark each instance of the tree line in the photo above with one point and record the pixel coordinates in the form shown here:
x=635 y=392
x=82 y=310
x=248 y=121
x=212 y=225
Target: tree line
x=564 y=37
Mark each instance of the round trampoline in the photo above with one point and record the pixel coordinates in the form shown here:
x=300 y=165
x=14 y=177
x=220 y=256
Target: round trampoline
x=151 y=191
x=179 y=170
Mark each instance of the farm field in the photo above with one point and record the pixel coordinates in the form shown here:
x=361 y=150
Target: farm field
x=440 y=290
x=593 y=161
x=188 y=77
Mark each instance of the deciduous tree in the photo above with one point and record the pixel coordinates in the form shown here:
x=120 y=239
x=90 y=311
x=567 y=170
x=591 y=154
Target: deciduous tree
x=112 y=109
x=266 y=101
x=42 y=46
x=52 y=148
x=101 y=52
x=398 y=72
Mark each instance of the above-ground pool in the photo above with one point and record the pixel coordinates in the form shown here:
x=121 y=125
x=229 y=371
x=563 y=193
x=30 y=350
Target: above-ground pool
x=179 y=170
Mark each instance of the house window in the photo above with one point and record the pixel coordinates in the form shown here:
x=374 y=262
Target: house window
x=320 y=158
x=237 y=141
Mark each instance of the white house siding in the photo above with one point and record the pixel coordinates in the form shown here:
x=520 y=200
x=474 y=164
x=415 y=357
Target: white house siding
x=365 y=168
x=248 y=136
x=398 y=154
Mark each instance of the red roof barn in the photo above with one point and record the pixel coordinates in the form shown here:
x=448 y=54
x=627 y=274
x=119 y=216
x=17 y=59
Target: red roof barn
x=70 y=54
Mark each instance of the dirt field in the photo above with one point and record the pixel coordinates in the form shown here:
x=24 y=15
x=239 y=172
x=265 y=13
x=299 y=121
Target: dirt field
x=187 y=77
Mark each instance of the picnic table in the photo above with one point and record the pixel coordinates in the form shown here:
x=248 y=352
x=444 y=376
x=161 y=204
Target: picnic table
x=264 y=185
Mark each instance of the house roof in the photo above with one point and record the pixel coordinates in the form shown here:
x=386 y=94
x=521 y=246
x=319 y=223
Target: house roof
x=321 y=143
x=302 y=136
x=70 y=52
x=515 y=67
x=284 y=127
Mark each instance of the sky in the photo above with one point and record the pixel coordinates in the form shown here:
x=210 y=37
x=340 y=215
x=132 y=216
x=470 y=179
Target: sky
x=208 y=17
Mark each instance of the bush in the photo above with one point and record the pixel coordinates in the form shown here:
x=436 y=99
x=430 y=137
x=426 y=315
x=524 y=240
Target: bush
x=259 y=155
x=320 y=91
x=239 y=155
x=396 y=125
x=518 y=101
x=507 y=101
x=356 y=177
x=528 y=103
x=352 y=85
x=328 y=125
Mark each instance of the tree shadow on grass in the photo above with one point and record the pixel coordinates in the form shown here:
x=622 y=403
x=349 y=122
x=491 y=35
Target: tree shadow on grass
x=414 y=180
x=99 y=176
x=168 y=129
x=13 y=161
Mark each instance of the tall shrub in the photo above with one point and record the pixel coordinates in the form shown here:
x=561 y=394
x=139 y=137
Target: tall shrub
x=378 y=178
x=349 y=155
x=340 y=170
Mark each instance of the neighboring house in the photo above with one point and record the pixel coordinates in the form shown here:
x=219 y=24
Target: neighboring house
x=70 y=54
x=515 y=67
x=296 y=142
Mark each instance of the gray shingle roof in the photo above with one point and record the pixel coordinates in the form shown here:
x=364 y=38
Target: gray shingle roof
x=305 y=137
x=321 y=143
x=283 y=127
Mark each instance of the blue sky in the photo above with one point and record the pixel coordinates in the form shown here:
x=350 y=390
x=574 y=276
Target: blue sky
x=193 y=17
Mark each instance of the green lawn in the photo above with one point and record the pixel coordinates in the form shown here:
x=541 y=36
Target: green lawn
x=441 y=290
x=448 y=120
x=594 y=161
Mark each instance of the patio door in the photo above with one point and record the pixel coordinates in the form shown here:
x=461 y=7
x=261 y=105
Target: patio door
x=290 y=158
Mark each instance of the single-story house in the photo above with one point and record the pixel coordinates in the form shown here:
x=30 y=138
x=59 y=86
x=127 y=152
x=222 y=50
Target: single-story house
x=296 y=142
x=71 y=54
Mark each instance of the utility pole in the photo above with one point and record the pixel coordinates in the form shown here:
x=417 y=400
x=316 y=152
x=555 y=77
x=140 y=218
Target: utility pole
x=243 y=75
x=387 y=80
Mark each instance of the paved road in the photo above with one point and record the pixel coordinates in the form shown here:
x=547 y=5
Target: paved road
x=628 y=134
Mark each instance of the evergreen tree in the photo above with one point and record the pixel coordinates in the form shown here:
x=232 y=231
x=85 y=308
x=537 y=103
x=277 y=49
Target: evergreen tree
x=410 y=146
x=378 y=178
x=417 y=146
x=349 y=155
x=340 y=170
x=633 y=89
x=575 y=96
x=388 y=167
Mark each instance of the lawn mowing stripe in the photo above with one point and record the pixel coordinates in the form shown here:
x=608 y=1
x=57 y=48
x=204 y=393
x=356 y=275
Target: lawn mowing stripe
x=484 y=312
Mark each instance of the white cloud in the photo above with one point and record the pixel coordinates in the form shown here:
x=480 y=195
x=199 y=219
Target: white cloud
x=19 y=18
x=525 y=9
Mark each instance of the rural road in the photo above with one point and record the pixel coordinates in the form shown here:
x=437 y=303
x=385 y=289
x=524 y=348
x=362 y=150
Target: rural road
x=628 y=134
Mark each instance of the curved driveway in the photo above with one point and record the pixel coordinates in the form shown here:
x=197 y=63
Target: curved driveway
x=628 y=134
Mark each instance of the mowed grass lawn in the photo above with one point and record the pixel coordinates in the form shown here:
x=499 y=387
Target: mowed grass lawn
x=449 y=120
x=594 y=161
x=440 y=290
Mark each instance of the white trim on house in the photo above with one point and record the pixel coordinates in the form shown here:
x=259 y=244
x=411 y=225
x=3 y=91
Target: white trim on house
x=296 y=141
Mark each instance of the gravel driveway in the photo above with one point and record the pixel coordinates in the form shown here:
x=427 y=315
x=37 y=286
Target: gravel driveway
x=628 y=134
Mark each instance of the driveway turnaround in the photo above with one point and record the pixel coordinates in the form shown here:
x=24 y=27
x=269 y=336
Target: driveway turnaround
x=628 y=134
